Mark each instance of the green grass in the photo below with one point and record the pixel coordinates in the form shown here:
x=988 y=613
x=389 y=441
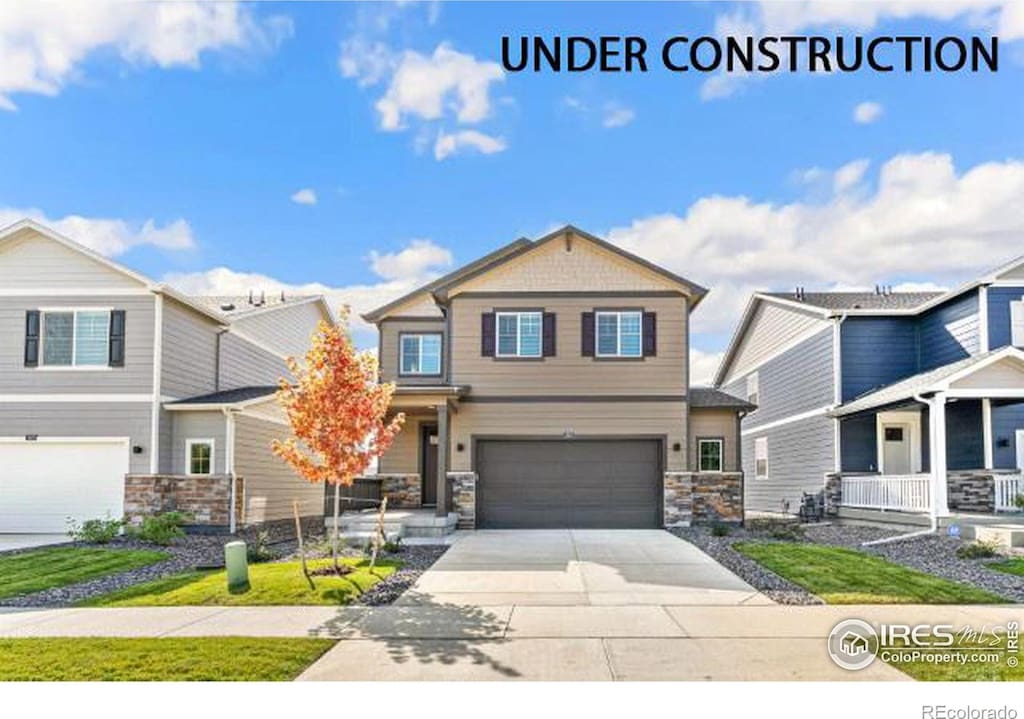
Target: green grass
x=278 y=583
x=1009 y=566
x=42 y=569
x=845 y=576
x=951 y=671
x=193 y=659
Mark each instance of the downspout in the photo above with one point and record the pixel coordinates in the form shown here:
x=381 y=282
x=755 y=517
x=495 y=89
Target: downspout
x=933 y=515
x=229 y=464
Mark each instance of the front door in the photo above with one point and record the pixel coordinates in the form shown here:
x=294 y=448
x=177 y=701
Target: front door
x=896 y=448
x=428 y=463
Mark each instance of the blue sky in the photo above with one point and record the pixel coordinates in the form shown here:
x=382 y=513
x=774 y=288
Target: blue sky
x=179 y=145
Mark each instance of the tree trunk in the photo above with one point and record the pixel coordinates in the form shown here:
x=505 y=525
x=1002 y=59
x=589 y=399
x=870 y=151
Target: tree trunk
x=335 y=535
x=302 y=547
x=379 y=537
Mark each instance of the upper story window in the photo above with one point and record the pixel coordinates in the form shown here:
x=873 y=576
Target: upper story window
x=619 y=334
x=420 y=354
x=519 y=334
x=753 y=388
x=75 y=338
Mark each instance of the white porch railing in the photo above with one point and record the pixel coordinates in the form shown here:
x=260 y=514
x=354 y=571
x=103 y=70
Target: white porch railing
x=903 y=493
x=1008 y=486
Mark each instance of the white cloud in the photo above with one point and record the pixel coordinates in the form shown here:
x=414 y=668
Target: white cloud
x=922 y=221
x=616 y=115
x=454 y=142
x=109 y=236
x=44 y=43
x=417 y=259
x=867 y=112
x=305 y=196
x=703 y=366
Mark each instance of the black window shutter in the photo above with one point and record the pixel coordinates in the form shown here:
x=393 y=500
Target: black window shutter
x=116 y=338
x=650 y=333
x=32 y=338
x=487 y=334
x=548 y=336
x=587 y=334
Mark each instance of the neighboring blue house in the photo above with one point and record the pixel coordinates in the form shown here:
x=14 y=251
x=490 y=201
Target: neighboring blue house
x=909 y=401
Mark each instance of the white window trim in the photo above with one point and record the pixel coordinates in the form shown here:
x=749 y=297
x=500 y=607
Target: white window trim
x=618 y=333
x=1017 y=328
x=43 y=311
x=762 y=442
x=419 y=350
x=189 y=443
x=519 y=334
x=721 y=454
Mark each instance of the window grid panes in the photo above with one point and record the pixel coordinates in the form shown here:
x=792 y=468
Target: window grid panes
x=619 y=334
x=519 y=334
x=710 y=453
x=200 y=458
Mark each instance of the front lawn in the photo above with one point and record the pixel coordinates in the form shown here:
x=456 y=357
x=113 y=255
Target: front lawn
x=41 y=569
x=279 y=583
x=845 y=576
x=193 y=659
x=1009 y=566
x=999 y=670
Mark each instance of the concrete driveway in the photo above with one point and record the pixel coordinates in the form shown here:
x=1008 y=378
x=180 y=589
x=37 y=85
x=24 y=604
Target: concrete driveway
x=578 y=567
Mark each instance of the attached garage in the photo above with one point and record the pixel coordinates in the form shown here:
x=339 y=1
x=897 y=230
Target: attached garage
x=578 y=483
x=44 y=482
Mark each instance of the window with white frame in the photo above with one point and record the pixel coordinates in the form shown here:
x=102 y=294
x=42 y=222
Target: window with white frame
x=420 y=354
x=761 y=458
x=753 y=388
x=75 y=338
x=1017 y=323
x=519 y=334
x=709 y=454
x=199 y=455
x=619 y=334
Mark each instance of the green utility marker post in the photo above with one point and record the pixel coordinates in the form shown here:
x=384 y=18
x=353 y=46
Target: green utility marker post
x=237 y=564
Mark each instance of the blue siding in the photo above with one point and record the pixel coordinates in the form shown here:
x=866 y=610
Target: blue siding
x=877 y=351
x=949 y=332
x=964 y=435
x=999 y=299
x=1007 y=418
x=858 y=445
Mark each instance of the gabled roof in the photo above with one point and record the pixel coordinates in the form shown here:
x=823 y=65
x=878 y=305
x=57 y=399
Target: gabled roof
x=859 y=300
x=694 y=290
x=231 y=398
x=235 y=307
x=935 y=380
x=711 y=398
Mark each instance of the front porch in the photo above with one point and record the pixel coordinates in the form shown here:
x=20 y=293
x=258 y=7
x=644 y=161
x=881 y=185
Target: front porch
x=974 y=492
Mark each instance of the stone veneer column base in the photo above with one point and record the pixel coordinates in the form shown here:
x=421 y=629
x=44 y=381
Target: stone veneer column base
x=833 y=493
x=462 y=486
x=404 y=491
x=699 y=497
x=971 y=490
x=206 y=499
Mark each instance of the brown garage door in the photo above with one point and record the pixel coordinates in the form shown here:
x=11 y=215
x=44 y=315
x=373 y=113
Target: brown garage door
x=569 y=483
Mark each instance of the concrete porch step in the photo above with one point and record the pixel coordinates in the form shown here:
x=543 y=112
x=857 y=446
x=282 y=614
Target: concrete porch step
x=361 y=539
x=1005 y=535
x=410 y=522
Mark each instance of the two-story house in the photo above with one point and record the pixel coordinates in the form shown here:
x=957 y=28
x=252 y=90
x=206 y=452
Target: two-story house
x=909 y=401
x=121 y=396
x=547 y=385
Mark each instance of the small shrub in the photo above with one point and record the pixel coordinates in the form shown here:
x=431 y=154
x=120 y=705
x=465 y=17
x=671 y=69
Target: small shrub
x=977 y=550
x=789 y=532
x=718 y=529
x=259 y=550
x=393 y=546
x=95 y=531
x=161 y=529
x=1018 y=501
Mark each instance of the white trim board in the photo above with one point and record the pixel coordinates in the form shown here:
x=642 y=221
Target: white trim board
x=56 y=398
x=66 y=440
x=820 y=411
x=909 y=418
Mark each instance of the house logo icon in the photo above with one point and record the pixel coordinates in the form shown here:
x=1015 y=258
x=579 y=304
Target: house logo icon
x=853 y=644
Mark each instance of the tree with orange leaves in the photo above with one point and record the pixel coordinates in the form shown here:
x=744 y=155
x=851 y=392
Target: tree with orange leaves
x=337 y=410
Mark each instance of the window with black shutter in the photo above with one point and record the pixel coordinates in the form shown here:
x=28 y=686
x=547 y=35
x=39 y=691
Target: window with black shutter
x=32 y=338
x=549 y=334
x=117 y=322
x=487 y=334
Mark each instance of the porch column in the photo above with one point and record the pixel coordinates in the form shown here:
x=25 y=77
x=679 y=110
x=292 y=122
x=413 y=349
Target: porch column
x=937 y=432
x=442 y=460
x=986 y=431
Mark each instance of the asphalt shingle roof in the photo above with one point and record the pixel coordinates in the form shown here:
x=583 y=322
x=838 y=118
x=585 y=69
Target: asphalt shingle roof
x=230 y=396
x=860 y=300
x=710 y=398
x=239 y=306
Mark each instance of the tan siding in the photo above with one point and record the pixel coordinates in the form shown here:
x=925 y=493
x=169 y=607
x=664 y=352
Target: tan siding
x=569 y=372
x=1006 y=374
x=580 y=418
x=420 y=305
x=189 y=352
x=270 y=484
x=390 y=349
x=551 y=267
x=135 y=377
x=771 y=329
x=712 y=423
x=32 y=260
x=243 y=364
x=287 y=331
x=198 y=425
x=403 y=457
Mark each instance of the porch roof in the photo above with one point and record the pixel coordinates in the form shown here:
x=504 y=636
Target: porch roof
x=940 y=379
x=426 y=395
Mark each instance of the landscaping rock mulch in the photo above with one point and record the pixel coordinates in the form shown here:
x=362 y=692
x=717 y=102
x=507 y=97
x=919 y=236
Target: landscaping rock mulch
x=415 y=560
x=185 y=553
x=760 y=578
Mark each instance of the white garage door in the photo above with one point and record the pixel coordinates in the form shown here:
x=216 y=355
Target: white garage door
x=44 y=482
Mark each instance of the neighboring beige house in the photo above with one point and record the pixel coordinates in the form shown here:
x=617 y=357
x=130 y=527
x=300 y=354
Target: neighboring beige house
x=120 y=395
x=547 y=385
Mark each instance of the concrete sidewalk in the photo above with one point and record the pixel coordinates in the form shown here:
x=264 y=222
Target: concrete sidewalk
x=447 y=641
